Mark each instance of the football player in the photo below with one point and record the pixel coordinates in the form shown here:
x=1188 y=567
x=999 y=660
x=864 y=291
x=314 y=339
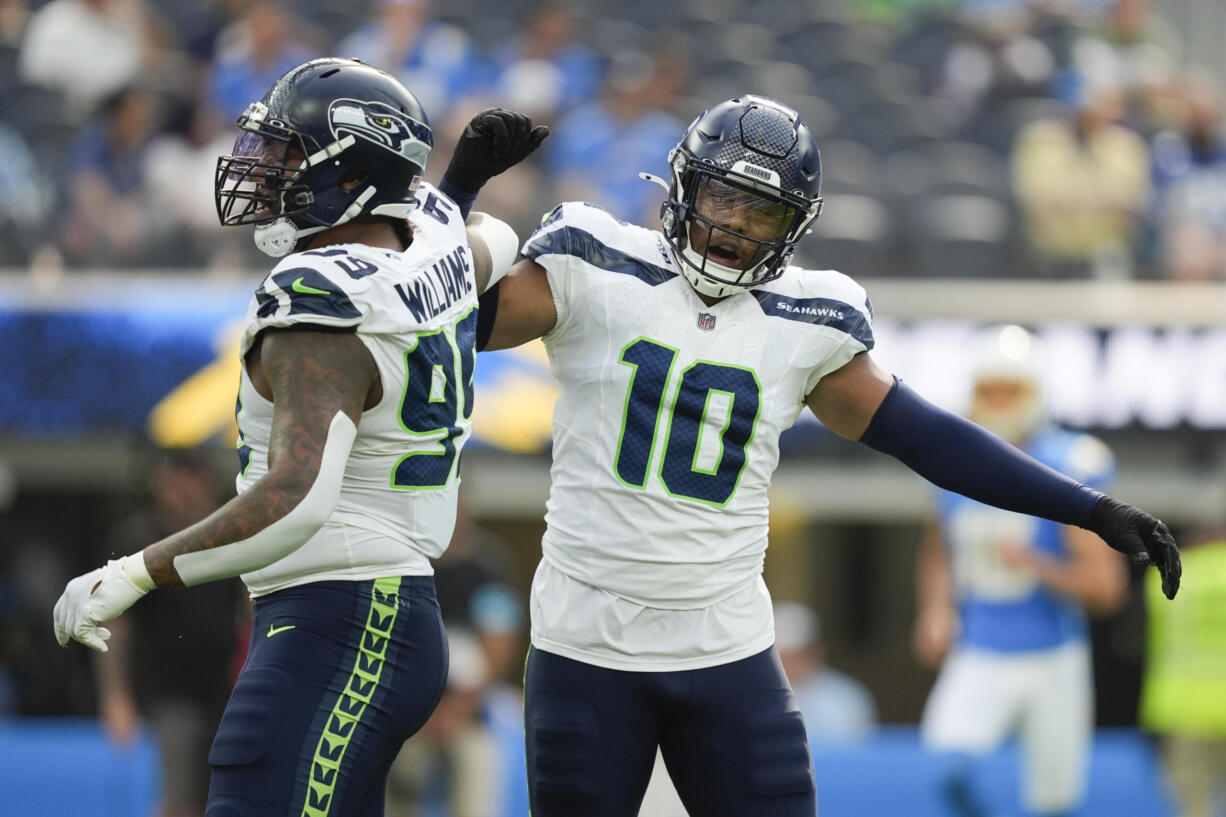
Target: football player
x=1011 y=592
x=354 y=402
x=682 y=355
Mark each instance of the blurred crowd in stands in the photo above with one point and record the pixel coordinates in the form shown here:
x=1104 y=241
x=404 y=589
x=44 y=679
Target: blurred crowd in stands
x=961 y=138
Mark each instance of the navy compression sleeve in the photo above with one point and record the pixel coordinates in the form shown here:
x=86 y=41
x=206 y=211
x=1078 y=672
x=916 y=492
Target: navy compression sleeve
x=487 y=313
x=463 y=199
x=960 y=456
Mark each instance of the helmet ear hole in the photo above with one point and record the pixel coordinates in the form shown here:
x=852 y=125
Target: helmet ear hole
x=352 y=179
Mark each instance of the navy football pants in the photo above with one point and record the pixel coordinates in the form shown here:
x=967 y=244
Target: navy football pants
x=732 y=738
x=338 y=676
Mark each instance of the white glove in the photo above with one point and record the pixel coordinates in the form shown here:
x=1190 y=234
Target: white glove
x=100 y=596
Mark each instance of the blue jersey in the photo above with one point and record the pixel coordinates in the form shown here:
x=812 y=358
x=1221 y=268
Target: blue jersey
x=1004 y=608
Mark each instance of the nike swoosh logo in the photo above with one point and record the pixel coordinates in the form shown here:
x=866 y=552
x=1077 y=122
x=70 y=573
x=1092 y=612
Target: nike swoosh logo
x=274 y=630
x=307 y=290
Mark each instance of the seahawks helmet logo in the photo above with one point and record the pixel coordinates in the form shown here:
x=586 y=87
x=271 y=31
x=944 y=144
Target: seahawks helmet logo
x=383 y=125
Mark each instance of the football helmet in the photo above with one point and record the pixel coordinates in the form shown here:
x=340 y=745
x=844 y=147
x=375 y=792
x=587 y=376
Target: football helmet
x=745 y=187
x=1007 y=383
x=332 y=139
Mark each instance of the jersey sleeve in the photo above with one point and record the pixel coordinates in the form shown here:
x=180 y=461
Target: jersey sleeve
x=843 y=306
x=550 y=246
x=576 y=240
x=309 y=289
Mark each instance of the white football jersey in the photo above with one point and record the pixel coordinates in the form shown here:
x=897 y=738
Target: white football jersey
x=416 y=311
x=666 y=433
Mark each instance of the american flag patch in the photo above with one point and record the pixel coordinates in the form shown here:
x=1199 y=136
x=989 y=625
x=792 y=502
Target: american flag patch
x=706 y=321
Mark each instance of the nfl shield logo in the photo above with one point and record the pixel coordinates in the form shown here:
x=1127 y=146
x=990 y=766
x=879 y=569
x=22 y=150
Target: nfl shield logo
x=706 y=321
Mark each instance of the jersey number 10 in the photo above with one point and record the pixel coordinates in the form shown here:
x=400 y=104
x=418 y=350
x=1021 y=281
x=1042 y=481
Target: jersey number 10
x=705 y=391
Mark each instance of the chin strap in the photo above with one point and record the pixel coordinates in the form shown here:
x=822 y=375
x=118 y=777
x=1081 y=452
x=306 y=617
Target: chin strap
x=654 y=179
x=279 y=238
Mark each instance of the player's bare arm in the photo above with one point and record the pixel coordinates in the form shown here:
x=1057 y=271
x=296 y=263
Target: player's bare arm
x=525 y=309
x=846 y=400
x=309 y=375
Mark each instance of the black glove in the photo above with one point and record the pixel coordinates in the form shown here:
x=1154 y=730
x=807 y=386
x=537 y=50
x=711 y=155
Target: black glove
x=1145 y=539
x=494 y=140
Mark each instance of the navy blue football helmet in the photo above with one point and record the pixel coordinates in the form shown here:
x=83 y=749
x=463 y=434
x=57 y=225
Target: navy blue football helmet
x=745 y=187
x=332 y=140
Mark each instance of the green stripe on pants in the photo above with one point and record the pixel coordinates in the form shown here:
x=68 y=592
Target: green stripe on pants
x=350 y=704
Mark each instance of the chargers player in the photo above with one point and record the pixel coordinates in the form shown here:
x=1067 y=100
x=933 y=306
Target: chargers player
x=354 y=402
x=1012 y=592
x=681 y=356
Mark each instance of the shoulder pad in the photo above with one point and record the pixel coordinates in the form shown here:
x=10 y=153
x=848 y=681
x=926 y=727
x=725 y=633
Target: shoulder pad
x=821 y=298
x=305 y=287
x=593 y=235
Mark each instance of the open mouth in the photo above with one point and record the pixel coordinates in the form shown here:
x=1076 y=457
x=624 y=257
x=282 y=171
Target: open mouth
x=724 y=253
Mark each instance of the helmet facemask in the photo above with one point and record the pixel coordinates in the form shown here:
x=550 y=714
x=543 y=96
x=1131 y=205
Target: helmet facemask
x=729 y=230
x=260 y=181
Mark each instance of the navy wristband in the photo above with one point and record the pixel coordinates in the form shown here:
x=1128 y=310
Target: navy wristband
x=955 y=454
x=463 y=199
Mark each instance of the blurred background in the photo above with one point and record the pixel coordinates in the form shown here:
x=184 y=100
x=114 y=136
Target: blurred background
x=1060 y=164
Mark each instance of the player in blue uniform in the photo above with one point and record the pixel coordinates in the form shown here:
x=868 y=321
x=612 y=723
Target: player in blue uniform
x=1009 y=594
x=354 y=402
x=681 y=356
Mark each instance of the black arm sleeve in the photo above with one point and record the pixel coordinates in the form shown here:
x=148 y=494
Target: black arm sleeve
x=487 y=312
x=958 y=455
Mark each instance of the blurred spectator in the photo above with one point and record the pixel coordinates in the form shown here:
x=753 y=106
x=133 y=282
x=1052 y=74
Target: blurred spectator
x=544 y=70
x=1130 y=48
x=36 y=678
x=467 y=761
x=179 y=178
x=14 y=14
x=437 y=61
x=1184 y=694
x=252 y=54
x=1190 y=181
x=896 y=12
x=109 y=219
x=88 y=49
x=25 y=199
x=473 y=580
x=170 y=660
x=997 y=58
x=1083 y=182
x=599 y=149
x=836 y=707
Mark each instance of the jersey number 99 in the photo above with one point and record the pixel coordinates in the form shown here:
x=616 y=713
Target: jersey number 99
x=437 y=405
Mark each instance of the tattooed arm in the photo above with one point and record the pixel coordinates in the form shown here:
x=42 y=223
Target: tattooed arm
x=310 y=375
x=319 y=382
